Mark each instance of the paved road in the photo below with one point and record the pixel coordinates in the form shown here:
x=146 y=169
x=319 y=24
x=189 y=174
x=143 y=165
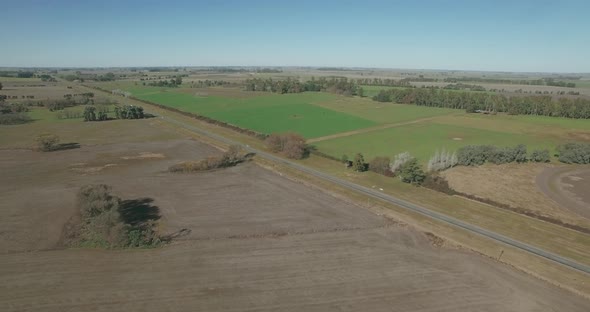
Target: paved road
x=391 y=199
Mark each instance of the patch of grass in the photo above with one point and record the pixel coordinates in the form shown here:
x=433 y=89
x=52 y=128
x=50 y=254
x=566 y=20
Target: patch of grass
x=423 y=139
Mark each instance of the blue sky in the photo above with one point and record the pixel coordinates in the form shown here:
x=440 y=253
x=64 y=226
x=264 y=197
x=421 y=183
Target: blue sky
x=548 y=36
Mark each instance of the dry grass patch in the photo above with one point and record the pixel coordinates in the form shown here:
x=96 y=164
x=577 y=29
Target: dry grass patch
x=510 y=184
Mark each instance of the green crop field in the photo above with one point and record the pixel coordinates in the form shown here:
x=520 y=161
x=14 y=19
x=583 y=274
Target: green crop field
x=423 y=139
x=266 y=113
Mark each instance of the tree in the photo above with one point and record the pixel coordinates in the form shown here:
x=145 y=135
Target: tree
x=94 y=200
x=398 y=161
x=90 y=113
x=47 y=142
x=520 y=153
x=411 y=172
x=359 y=163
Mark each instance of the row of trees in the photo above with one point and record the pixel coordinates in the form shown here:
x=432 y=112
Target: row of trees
x=335 y=85
x=172 y=83
x=536 y=82
x=475 y=155
x=208 y=83
x=475 y=101
x=100 y=112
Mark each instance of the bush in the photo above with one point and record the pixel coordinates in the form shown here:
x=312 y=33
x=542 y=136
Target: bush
x=540 y=156
x=574 y=153
x=398 y=161
x=47 y=142
x=292 y=145
x=380 y=165
x=473 y=155
x=14 y=119
x=437 y=183
x=411 y=172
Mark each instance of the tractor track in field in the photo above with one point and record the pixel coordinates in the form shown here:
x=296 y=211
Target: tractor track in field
x=370 y=129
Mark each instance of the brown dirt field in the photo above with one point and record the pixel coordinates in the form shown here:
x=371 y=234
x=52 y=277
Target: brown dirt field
x=257 y=242
x=568 y=186
x=511 y=184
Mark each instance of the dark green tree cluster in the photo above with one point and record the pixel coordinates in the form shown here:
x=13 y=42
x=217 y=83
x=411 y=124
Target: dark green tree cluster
x=172 y=83
x=209 y=83
x=574 y=153
x=290 y=85
x=476 y=155
x=129 y=112
x=475 y=101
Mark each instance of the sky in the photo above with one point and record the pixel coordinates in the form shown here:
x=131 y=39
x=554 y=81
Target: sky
x=496 y=35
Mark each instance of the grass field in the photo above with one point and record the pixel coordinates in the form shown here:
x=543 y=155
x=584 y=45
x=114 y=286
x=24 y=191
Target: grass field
x=266 y=113
x=423 y=139
x=78 y=131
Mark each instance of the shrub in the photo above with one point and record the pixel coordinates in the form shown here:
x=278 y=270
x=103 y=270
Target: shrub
x=438 y=183
x=380 y=165
x=230 y=158
x=292 y=145
x=442 y=161
x=473 y=155
x=540 y=156
x=411 y=172
x=47 y=142
x=398 y=161
x=574 y=153
x=14 y=119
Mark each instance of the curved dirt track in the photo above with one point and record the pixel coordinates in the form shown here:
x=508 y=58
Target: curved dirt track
x=257 y=242
x=556 y=184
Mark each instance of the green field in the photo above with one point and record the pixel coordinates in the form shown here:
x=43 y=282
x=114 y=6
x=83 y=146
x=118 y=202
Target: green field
x=423 y=139
x=266 y=113
x=419 y=130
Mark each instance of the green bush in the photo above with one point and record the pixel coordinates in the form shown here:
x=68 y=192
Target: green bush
x=574 y=153
x=540 y=156
x=14 y=119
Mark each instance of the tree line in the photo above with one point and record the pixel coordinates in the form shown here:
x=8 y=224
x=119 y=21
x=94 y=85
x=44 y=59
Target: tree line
x=335 y=85
x=536 y=82
x=488 y=103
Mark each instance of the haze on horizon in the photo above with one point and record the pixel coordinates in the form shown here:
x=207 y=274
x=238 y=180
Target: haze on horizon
x=526 y=36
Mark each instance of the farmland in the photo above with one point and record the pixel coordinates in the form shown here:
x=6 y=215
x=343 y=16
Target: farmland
x=262 y=245
x=228 y=212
